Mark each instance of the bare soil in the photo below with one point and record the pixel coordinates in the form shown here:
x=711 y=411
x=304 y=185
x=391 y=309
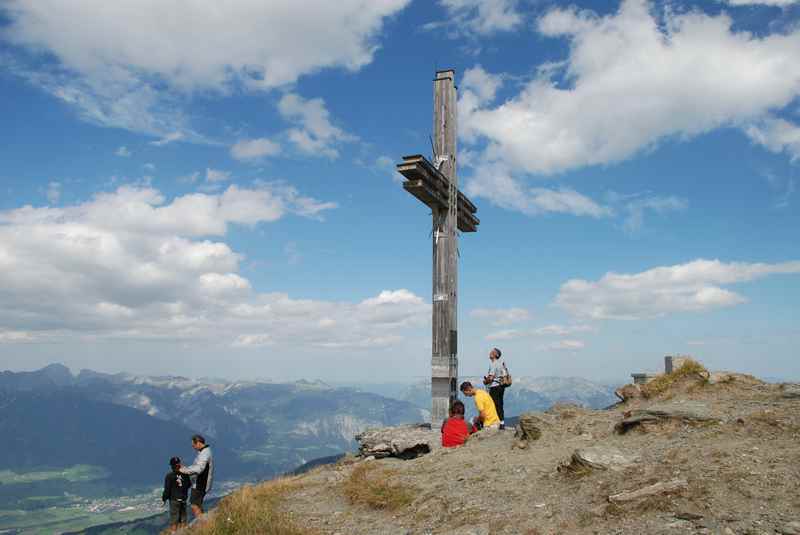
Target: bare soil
x=742 y=470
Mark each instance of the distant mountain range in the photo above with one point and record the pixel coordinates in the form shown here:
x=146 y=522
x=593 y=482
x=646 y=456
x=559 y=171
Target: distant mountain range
x=532 y=393
x=129 y=425
x=59 y=419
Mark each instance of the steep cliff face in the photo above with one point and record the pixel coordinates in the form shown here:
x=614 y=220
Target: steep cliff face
x=708 y=453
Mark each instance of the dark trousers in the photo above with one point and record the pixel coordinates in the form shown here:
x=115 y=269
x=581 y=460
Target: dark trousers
x=177 y=512
x=497 y=396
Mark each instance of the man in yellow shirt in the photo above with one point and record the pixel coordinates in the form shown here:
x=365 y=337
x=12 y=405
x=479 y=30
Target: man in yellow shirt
x=487 y=414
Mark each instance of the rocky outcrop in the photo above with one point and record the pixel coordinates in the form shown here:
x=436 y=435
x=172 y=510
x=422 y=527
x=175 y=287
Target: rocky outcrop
x=790 y=391
x=404 y=442
x=628 y=392
x=688 y=411
x=723 y=377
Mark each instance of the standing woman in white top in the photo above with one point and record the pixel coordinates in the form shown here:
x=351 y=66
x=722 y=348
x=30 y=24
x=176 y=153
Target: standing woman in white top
x=494 y=380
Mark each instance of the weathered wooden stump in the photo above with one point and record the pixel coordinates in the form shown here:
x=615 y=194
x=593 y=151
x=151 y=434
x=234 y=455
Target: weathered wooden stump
x=598 y=458
x=528 y=430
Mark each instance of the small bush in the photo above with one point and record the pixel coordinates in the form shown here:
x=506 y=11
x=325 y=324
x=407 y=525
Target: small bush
x=690 y=370
x=253 y=509
x=370 y=485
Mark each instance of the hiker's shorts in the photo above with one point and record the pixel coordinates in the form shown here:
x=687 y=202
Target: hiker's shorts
x=177 y=512
x=197 y=498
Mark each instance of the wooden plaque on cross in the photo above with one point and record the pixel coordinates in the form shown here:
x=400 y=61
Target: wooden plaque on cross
x=435 y=183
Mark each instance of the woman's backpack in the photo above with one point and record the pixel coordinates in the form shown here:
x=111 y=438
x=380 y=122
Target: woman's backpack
x=506 y=380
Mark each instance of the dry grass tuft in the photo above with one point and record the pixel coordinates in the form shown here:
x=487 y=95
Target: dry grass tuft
x=370 y=485
x=690 y=370
x=254 y=509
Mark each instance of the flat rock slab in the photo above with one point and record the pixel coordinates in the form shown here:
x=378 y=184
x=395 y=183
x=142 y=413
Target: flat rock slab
x=792 y=528
x=666 y=487
x=603 y=458
x=691 y=411
x=404 y=441
x=790 y=391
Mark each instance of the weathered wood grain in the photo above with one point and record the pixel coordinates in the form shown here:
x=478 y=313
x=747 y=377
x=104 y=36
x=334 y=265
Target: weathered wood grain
x=435 y=184
x=664 y=487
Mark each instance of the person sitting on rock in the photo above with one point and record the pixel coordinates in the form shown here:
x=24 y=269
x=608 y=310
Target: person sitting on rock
x=487 y=414
x=455 y=431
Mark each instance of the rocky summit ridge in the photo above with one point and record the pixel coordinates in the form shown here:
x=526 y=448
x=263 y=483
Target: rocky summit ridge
x=694 y=453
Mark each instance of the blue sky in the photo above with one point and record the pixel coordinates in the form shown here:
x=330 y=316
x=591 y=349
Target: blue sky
x=210 y=191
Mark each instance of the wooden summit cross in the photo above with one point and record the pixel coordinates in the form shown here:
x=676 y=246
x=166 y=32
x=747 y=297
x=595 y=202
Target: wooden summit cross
x=436 y=185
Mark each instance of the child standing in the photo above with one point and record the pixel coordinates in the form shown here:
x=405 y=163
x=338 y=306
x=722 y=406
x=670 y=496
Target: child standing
x=176 y=491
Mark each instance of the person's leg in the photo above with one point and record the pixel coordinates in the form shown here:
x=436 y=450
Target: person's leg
x=184 y=517
x=496 y=392
x=197 y=503
x=501 y=412
x=174 y=515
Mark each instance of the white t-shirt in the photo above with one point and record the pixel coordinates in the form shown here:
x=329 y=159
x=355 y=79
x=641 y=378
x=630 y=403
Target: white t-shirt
x=496 y=369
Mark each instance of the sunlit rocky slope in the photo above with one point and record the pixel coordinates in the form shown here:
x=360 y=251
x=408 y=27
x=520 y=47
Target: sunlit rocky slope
x=691 y=452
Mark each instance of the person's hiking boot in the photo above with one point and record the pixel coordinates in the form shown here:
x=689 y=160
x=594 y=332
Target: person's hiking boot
x=502 y=426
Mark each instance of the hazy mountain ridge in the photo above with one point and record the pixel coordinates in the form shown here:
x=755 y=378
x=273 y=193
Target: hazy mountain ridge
x=259 y=428
x=533 y=393
x=249 y=416
x=129 y=426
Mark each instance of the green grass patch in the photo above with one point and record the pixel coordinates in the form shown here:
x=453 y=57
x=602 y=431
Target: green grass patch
x=59 y=519
x=75 y=474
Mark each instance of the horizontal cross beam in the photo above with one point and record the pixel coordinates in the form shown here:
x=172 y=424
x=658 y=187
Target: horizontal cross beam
x=427 y=184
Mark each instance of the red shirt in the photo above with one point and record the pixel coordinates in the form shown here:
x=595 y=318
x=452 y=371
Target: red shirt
x=454 y=432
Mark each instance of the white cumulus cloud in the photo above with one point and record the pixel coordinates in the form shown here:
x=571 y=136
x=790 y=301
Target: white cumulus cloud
x=479 y=17
x=217 y=175
x=694 y=286
x=631 y=79
x=777 y=3
x=776 y=135
x=496 y=183
x=315 y=134
x=254 y=149
x=132 y=263
x=114 y=59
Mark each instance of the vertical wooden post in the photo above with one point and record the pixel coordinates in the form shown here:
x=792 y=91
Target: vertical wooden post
x=444 y=359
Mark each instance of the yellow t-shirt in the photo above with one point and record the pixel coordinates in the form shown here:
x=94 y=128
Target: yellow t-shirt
x=485 y=406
